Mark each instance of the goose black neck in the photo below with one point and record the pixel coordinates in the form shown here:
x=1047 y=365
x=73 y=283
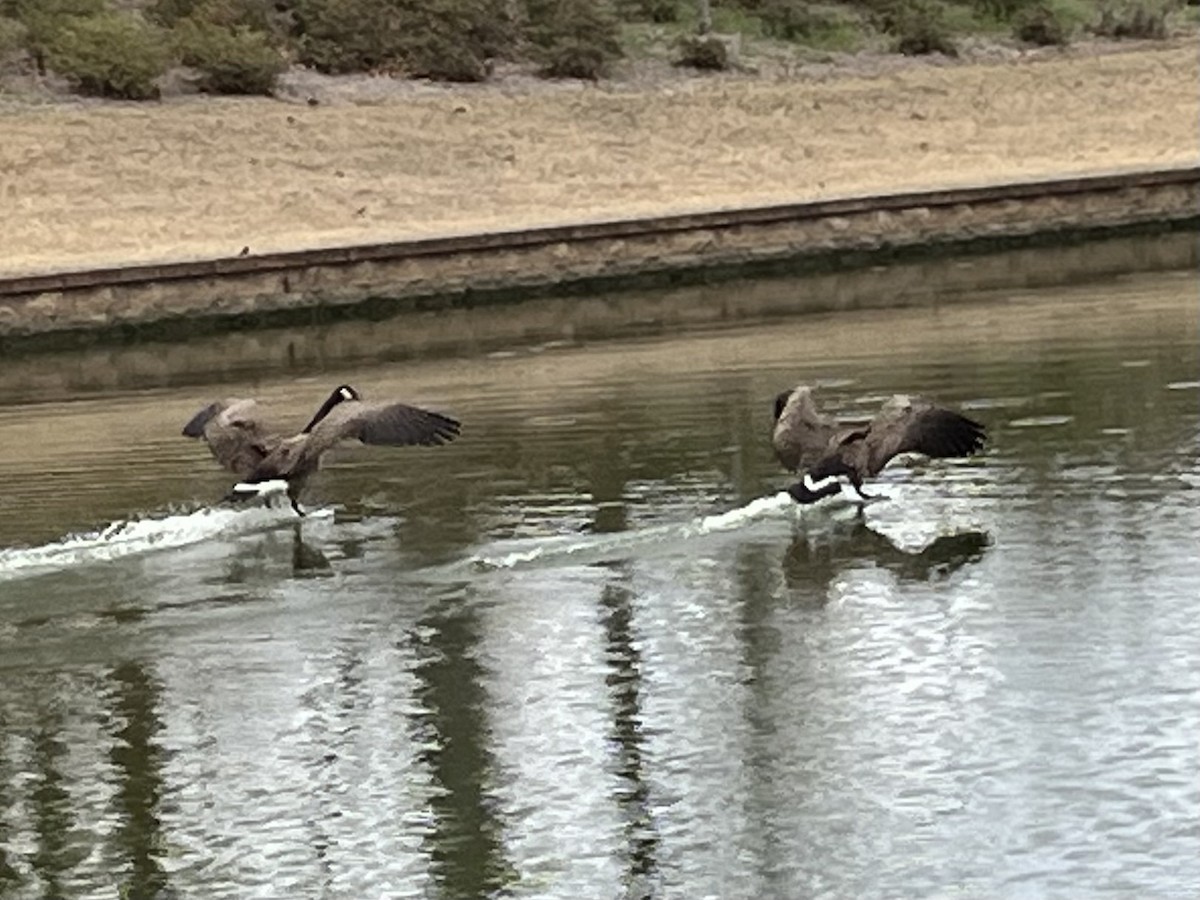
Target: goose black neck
x=334 y=399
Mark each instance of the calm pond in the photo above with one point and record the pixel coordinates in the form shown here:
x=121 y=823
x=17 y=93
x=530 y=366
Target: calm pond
x=589 y=651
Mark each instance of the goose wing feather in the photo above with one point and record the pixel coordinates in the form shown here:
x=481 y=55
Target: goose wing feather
x=390 y=424
x=915 y=425
x=802 y=433
x=235 y=433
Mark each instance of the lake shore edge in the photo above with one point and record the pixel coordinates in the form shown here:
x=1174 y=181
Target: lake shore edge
x=172 y=301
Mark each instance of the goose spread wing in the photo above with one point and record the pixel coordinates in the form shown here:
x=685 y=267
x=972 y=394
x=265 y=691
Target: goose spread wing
x=393 y=424
x=235 y=433
x=914 y=425
x=802 y=434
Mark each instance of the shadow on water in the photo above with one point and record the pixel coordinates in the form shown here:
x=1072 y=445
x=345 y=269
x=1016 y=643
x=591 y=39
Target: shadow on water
x=624 y=680
x=307 y=559
x=138 y=761
x=465 y=843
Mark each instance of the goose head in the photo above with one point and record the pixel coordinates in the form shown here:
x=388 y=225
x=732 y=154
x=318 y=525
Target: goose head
x=341 y=394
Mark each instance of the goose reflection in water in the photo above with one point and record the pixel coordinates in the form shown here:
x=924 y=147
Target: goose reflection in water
x=808 y=561
x=307 y=560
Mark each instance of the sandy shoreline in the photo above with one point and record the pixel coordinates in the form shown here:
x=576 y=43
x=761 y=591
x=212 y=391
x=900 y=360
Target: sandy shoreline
x=105 y=184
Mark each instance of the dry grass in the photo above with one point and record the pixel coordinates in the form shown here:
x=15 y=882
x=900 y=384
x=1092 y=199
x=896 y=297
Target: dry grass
x=103 y=184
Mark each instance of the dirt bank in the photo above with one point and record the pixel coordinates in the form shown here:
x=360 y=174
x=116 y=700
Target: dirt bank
x=86 y=184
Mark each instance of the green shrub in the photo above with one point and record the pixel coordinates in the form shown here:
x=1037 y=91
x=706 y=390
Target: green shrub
x=813 y=24
x=1134 y=19
x=1005 y=10
x=735 y=19
x=918 y=27
x=110 y=55
x=257 y=15
x=703 y=52
x=14 y=38
x=167 y=12
x=784 y=19
x=447 y=39
x=1049 y=22
x=455 y=40
x=573 y=38
x=348 y=35
x=232 y=60
x=44 y=19
x=648 y=10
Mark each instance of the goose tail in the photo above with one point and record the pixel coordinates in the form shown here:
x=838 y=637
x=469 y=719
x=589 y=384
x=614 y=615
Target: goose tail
x=247 y=490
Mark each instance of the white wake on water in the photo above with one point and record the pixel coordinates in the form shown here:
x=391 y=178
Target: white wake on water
x=911 y=522
x=597 y=547
x=142 y=535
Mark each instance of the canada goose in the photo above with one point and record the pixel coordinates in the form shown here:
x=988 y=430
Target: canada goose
x=242 y=442
x=815 y=445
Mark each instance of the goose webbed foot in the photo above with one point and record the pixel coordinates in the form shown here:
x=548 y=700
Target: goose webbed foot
x=296 y=506
x=862 y=495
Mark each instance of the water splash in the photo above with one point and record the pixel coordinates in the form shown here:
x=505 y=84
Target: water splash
x=1040 y=421
x=580 y=548
x=141 y=535
x=743 y=515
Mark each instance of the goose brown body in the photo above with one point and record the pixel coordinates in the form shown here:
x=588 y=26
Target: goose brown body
x=808 y=442
x=242 y=440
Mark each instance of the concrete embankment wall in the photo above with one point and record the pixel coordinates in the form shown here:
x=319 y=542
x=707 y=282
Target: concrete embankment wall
x=186 y=298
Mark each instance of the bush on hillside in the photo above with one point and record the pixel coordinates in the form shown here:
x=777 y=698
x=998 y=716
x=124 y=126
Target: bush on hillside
x=573 y=38
x=110 y=55
x=703 y=52
x=42 y=20
x=14 y=38
x=814 y=24
x=445 y=39
x=257 y=15
x=1134 y=19
x=233 y=60
x=659 y=11
x=456 y=40
x=1004 y=10
x=340 y=36
x=918 y=27
x=1049 y=22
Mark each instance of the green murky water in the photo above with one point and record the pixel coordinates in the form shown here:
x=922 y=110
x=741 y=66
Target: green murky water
x=588 y=651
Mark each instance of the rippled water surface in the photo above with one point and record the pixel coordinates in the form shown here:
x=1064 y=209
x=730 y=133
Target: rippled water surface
x=589 y=651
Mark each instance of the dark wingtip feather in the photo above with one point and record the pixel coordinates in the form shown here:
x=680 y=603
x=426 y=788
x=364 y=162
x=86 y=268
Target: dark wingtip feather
x=968 y=435
x=948 y=433
x=445 y=429
x=781 y=400
x=404 y=425
x=195 y=426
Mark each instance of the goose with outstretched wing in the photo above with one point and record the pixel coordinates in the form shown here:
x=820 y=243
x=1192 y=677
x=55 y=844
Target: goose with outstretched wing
x=813 y=444
x=242 y=440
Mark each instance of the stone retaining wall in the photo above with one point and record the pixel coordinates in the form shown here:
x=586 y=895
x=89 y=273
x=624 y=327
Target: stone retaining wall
x=456 y=271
